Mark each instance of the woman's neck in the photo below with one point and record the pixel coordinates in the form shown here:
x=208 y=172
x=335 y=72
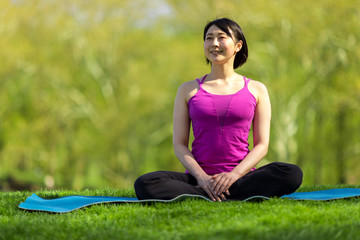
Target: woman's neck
x=221 y=72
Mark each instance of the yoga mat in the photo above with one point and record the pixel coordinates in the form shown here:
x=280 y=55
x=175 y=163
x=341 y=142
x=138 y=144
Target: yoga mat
x=71 y=203
x=325 y=195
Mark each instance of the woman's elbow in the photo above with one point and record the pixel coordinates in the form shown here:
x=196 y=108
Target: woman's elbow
x=178 y=146
x=263 y=148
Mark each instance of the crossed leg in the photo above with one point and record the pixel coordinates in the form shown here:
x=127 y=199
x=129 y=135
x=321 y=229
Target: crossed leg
x=272 y=180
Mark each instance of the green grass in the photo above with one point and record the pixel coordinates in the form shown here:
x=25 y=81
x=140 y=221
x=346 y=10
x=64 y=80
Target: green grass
x=188 y=219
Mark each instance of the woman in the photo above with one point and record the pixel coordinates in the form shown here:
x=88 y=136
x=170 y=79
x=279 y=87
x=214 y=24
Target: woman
x=222 y=106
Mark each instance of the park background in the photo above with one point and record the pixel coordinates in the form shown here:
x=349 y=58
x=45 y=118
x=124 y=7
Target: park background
x=87 y=87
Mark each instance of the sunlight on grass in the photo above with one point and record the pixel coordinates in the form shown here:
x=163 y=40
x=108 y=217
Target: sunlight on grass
x=188 y=219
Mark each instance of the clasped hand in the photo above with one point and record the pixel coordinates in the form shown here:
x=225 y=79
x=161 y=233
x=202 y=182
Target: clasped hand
x=217 y=186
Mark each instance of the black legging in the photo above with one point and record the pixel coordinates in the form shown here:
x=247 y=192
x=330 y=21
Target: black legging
x=273 y=180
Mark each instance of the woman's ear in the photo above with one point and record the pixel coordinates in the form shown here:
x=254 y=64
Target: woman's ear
x=238 y=46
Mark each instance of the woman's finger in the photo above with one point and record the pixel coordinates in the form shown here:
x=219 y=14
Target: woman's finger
x=208 y=189
x=218 y=184
x=210 y=194
x=224 y=186
x=223 y=197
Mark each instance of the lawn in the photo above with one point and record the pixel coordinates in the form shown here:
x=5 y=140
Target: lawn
x=188 y=219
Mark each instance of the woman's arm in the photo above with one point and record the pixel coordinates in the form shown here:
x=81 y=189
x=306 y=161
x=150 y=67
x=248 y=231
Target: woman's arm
x=181 y=131
x=261 y=132
x=261 y=136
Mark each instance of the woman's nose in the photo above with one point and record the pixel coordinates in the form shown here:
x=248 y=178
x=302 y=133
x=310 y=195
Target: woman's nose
x=215 y=42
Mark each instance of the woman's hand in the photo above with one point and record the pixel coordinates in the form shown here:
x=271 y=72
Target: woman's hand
x=222 y=182
x=206 y=183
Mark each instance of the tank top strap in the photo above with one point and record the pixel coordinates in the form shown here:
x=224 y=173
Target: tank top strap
x=247 y=80
x=202 y=80
x=198 y=81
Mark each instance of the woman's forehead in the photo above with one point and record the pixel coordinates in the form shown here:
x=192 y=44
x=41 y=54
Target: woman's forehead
x=215 y=30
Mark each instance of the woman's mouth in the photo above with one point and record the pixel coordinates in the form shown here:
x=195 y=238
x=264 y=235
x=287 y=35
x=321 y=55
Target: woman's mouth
x=215 y=52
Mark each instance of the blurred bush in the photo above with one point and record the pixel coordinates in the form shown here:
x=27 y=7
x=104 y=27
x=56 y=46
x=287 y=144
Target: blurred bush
x=87 y=87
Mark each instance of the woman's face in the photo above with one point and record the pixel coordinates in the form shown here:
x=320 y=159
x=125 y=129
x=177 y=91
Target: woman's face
x=219 y=48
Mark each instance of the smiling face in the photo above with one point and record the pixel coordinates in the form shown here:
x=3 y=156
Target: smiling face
x=219 y=47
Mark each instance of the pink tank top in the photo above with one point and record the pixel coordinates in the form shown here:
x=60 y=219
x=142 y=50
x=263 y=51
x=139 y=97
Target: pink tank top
x=221 y=126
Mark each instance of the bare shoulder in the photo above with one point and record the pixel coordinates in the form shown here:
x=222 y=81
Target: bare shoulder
x=256 y=85
x=258 y=89
x=188 y=89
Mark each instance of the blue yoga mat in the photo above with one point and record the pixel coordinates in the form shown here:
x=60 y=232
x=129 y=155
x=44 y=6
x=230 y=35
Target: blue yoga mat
x=71 y=203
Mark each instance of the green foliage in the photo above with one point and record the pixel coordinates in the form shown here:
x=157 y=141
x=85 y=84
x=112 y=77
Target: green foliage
x=87 y=89
x=189 y=219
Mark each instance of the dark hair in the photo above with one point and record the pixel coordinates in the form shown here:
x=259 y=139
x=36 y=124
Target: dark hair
x=226 y=25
